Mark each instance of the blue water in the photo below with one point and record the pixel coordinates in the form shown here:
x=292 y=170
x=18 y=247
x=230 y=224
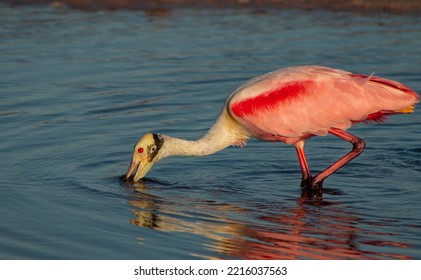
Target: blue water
x=77 y=89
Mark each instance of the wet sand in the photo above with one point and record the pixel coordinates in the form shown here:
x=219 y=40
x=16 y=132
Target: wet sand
x=164 y=6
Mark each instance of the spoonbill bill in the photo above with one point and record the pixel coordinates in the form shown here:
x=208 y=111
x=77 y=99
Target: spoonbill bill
x=288 y=105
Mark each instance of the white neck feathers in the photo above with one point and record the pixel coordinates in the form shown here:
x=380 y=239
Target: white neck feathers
x=225 y=132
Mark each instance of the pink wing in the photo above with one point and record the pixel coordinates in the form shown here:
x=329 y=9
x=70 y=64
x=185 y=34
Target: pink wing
x=298 y=102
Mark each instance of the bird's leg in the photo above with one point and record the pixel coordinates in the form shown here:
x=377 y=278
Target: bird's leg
x=308 y=191
x=306 y=175
x=358 y=146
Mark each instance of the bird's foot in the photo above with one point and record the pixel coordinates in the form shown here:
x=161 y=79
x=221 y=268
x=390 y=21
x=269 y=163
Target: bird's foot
x=311 y=189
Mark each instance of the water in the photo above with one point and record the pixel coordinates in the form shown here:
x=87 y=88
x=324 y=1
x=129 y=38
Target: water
x=79 y=88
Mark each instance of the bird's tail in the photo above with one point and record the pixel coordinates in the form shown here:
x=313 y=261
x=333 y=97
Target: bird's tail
x=410 y=95
x=407 y=110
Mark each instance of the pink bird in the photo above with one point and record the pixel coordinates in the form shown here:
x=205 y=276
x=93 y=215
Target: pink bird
x=288 y=105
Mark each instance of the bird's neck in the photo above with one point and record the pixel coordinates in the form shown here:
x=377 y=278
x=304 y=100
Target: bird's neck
x=225 y=132
x=205 y=146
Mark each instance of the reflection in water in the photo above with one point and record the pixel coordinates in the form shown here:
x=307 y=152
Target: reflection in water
x=304 y=231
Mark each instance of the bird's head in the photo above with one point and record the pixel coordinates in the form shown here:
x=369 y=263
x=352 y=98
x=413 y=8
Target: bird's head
x=146 y=153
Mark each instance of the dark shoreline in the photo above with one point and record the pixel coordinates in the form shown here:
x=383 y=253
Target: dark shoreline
x=389 y=6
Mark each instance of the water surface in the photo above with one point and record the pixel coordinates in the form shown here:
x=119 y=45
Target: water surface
x=77 y=89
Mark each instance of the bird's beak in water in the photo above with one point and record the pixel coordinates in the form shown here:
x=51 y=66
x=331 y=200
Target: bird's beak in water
x=138 y=169
x=132 y=168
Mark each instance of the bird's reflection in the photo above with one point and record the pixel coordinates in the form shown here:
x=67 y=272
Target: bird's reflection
x=303 y=231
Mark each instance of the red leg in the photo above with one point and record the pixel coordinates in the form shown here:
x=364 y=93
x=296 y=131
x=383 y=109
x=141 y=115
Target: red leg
x=358 y=147
x=306 y=175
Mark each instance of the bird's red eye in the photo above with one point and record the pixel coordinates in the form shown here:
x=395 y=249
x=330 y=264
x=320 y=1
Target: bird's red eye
x=140 y=150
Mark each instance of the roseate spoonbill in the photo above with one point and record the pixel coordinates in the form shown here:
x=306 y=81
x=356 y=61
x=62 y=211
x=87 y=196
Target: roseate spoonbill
x=288 y=105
